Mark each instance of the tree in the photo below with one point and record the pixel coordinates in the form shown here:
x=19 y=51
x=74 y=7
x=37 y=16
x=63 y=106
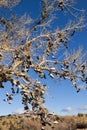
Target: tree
x=32 y=44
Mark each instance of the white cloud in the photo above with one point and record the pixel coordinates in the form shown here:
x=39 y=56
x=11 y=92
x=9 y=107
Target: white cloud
x=19 y=111
x=67 y=109
x=83 y=108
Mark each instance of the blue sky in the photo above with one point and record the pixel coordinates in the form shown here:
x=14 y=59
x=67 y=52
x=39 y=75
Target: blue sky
x=62 y=98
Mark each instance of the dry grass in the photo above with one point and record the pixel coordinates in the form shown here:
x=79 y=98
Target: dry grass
x=28 y=122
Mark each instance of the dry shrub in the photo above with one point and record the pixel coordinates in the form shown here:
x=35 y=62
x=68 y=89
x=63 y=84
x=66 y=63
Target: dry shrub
x=81 y=123
x=67 y=123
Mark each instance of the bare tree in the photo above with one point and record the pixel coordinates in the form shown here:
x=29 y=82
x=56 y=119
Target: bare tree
x=29 y=44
